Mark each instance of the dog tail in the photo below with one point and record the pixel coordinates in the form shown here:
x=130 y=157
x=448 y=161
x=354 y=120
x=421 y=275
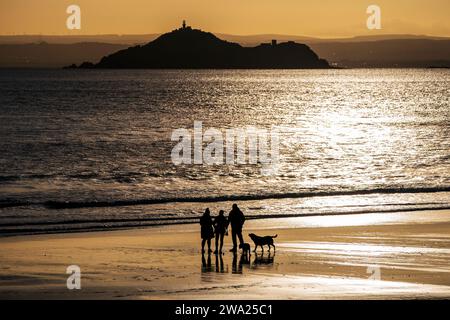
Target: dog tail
x=275 y=236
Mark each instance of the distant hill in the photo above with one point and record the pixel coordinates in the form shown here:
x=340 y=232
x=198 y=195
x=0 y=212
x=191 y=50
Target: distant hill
x=252 y=40
x=405 y=53
x=131 y=39
x=192 y=48
x=44 y=55
x=372 y=51
x=244 y=40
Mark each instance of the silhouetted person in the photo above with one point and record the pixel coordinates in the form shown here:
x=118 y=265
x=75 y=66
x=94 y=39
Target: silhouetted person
x=207 y=231
x=220 y=228
x=236 y=219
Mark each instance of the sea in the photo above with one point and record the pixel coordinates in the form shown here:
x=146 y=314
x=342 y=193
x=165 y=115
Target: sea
x=85 y=150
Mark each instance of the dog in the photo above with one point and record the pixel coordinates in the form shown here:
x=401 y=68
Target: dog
x=245 y=249
x=262 y=241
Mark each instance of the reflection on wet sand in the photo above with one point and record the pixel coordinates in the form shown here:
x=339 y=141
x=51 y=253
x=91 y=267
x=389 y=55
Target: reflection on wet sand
x=237 y=268
x=263 y=260
x=206 y=264
x=218 y=267
x=239 y=261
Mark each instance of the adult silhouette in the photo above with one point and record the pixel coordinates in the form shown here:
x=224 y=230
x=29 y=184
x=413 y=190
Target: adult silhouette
x=207 y=232
x=236 y=219
x=220 y=228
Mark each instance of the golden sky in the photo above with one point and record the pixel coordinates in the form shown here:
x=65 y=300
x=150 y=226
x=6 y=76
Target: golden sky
x=318 y=18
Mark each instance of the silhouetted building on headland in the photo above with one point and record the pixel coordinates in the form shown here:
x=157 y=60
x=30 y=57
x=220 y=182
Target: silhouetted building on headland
x=184 y=26
x=187 y=48
x=273 y=43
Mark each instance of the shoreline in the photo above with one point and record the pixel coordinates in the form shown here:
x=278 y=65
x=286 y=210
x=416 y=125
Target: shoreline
x=184 y=221
x=320 y=257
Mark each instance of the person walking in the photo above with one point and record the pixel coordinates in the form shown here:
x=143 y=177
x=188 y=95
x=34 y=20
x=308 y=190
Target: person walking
x=236 y=219
x=207 y=232
x=220 y=229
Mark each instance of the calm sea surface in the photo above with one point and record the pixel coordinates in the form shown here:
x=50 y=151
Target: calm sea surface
x=84 y=149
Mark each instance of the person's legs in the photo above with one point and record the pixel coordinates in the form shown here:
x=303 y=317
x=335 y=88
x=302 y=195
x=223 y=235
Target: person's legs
x=241 y=239
x=203 y=245
x=209 y=245
x=221 y=241
x=233 y=237
x=217 y=243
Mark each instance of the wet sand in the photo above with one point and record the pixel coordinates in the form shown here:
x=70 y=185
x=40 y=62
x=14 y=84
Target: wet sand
x=369 y=256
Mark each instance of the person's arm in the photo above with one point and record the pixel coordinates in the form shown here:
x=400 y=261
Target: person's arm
x=226 y=224
x=242 y=218
x=230 y=217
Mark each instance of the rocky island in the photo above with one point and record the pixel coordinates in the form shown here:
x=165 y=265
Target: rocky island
x=187 y=48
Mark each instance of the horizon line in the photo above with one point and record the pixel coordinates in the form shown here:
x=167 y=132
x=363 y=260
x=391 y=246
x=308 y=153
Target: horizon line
x=228 y=34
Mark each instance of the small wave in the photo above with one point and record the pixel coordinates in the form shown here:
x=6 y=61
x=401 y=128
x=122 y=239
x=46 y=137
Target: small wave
x=54 y=204
x=14 y=203
x=248 y=197
x=9 y=178
x=12 y=178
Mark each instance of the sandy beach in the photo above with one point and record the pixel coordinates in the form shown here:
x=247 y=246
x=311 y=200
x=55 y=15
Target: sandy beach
x=368 y=256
